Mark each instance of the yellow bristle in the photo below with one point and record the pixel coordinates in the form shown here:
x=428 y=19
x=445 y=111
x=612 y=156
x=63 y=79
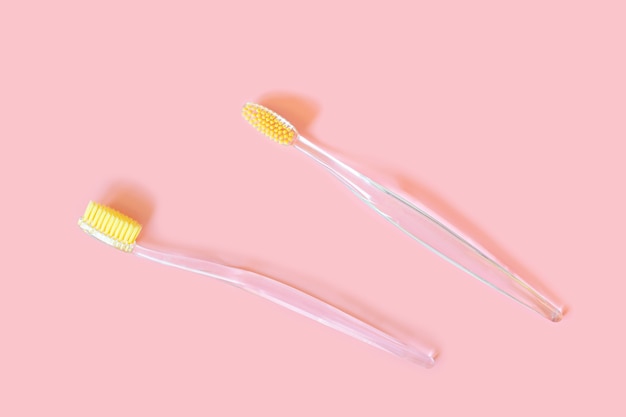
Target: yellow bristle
x=110 y=226
x=88 y=212
x=269 y=123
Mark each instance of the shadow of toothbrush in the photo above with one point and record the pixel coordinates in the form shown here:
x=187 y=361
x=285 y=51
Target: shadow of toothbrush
x=300 y=112
x=343 y=300
x=410 y=187
x=308 y=285
x=138 y=204
x=134 y=201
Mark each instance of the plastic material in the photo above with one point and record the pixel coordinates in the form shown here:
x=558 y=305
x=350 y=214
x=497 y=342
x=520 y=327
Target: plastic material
x=433 y=232
x=292 y=299
x=120 y=231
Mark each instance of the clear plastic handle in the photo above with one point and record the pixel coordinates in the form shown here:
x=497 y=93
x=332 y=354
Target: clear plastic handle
x=292 y=299
x=433 y=232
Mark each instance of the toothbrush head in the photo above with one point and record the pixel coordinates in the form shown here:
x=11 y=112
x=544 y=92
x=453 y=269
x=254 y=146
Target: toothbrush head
x=269 y=123
x=110 y=226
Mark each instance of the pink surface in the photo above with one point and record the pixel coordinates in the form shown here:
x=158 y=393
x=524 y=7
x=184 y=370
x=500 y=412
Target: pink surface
x=508 y=119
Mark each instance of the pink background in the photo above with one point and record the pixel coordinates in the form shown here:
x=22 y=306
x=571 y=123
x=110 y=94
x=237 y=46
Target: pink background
x=507 y=117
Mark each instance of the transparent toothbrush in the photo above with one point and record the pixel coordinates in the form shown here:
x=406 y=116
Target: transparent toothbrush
x=412 y=218
x=120 y=231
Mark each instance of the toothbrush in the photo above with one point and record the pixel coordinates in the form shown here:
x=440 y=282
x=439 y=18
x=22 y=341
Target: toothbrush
x=121 y=231
x=413 y=218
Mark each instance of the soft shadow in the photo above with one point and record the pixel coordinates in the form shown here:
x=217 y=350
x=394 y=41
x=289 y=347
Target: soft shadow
x=301 y=112
x=297 y=110
x=130 y=199
x=379 y=319
x=309 y=285
x=343 y=301
x=136 y=202
x=460 y=221
x=415 y=191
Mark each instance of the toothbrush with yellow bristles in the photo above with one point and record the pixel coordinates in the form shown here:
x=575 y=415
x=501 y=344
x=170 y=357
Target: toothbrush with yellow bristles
x=121 y=231
x=411 y=217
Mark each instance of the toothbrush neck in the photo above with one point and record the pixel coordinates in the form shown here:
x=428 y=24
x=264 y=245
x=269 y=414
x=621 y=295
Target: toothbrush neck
x=350 y=177
x=322 y=156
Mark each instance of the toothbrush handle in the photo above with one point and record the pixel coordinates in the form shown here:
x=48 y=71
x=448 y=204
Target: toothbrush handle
x=292 y=299
x=433 y=232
